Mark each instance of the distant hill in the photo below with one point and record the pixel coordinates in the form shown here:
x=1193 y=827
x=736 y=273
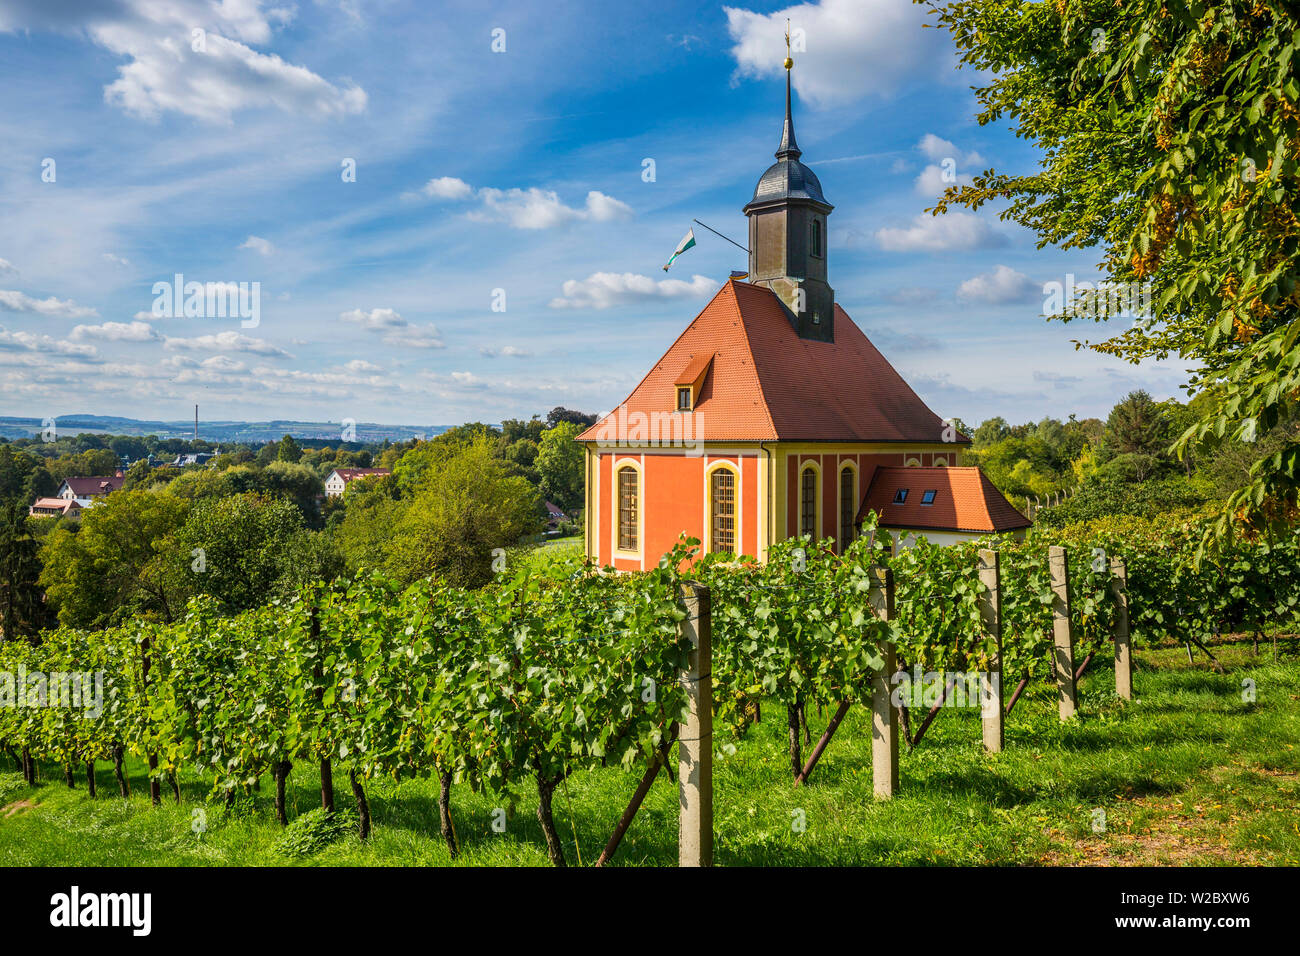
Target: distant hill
x=219 y=431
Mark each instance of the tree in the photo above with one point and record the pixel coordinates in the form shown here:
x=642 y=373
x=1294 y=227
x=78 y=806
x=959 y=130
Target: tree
x=560 y=414
x=1137 y=426
x=289 y=450
x=22 y=612
x=1169 y=137
x=244 y=549
x=467 y=506
x=119 y=563
x=40 y=484
x=561 y=466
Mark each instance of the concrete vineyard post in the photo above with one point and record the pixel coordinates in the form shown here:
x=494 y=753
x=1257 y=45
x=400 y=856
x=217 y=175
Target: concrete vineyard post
x=990 y=603
x=1062 y=629
x=1123 y=645
x=695 y=738
x=884 y=716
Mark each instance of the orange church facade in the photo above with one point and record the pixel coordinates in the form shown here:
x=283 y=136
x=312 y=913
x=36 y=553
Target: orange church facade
x=772 y=414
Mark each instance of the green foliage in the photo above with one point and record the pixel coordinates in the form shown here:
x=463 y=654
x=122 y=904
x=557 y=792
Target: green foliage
x=463 y=503
x=118 y=563
x=241 y=549
x=1169 y=136
x=561 y=464
x=22 y=610
x=1110 y=496
x=315 y=830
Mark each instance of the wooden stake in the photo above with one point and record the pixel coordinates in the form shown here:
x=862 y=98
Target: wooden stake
x=1062 y=630
x=695 y=739
x=884 y=720
x=990 y=604
x=1123 y=648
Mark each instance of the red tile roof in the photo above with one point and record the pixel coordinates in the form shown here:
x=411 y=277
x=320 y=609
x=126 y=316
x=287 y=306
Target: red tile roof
x=48 y=505
x=95 y=485
x=767 y=384
x=965 y=500
x=695 y=369
x=351 y=474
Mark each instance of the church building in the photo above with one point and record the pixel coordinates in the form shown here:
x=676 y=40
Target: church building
x=773 y=416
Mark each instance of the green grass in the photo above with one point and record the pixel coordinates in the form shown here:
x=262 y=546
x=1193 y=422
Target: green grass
x=1187 y=774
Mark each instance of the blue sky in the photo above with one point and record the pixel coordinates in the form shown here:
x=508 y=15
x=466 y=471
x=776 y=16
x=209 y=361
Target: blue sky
x=211 y=139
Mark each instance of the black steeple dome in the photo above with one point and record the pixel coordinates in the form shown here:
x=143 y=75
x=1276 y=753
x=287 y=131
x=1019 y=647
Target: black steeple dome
x=787 y=235
x=788 y=178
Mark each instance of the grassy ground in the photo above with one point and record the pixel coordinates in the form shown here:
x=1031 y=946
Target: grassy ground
x=1188 y=774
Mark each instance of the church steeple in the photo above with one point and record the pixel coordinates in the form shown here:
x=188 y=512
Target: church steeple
x=787 y=233
x=789 y=149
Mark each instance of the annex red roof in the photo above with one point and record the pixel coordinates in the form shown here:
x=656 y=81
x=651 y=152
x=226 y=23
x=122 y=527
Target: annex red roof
x=351 y=474
x=964 y=500
x=768 y=384
x=89 y=487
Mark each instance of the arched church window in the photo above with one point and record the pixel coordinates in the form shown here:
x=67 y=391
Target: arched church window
x=628 y=506
x=848 y=506
x=722 y=510
x=817 y=238
x=808 y=502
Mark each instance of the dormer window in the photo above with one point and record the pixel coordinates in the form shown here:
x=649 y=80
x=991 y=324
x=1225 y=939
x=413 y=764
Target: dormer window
x=684 y=399
x=900 y=496
x=927 y=497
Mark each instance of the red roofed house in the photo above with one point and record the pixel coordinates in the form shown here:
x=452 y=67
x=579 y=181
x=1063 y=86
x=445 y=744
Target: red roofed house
x=85 y=490
x=56 y=507
x=770 y=415
x=946 y=505
x=340 y=478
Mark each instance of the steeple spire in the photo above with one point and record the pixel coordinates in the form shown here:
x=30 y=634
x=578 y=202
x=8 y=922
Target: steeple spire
x=789 y=149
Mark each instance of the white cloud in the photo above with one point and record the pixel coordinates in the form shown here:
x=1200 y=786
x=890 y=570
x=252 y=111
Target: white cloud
x=530 y=208
x=397 y=331
x=933 y=180
x=7 y=268
x=600 y=290
x=508 y=351
x=58 y=308
x=854 y=47
x=358 y=366
x=229 y=341
x=939 y=149
x=375 y=319
x=116 y=260
x=447 y=187
x=927 y=233
x=223 y=363
x=542 y=209
x=259 y=245
x=32 y=342
x=1002 y=286
x=416 y=337
x=165 y=72
x=117 y=332
x=465 y=378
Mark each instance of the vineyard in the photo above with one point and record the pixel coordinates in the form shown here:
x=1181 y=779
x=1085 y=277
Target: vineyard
x=560 y=671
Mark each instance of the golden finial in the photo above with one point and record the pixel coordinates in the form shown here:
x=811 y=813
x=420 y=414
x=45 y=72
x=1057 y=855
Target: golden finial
x=788 y=62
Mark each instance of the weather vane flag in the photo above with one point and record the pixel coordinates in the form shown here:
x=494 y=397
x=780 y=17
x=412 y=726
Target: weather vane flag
x=688 y=240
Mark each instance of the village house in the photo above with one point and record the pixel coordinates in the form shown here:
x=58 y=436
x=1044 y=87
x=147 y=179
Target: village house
x=84 y=490
x=773 y=415
x=338 y=480
x=54 y=507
